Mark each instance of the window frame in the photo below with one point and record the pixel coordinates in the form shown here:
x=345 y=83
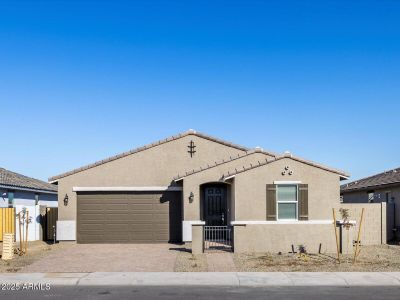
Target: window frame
x=371 y=196
x=296 y=202
x=12 y=200
x=36 y=199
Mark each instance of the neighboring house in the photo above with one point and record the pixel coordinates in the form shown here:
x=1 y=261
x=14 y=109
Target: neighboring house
x=382 y=187
x=156 y=193
x=20 y=191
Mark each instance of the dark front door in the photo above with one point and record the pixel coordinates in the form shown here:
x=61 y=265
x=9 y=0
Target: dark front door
x=215 y=206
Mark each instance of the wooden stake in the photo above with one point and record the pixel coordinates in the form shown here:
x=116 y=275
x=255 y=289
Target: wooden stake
x=336 y=236
x=358 y=237
x=26 y=233
x=20 y=233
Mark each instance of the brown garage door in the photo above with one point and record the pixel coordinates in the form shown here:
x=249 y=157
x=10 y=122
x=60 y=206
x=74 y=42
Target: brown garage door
x=136 y=217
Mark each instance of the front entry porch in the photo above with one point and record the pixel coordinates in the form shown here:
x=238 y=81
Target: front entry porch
x=216 y=213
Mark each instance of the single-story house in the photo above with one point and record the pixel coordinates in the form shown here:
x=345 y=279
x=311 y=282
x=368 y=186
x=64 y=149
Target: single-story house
x=378 y=188
x=159 y=192
x=19 y=191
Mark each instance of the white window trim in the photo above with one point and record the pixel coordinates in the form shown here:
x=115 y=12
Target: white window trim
x=287 y=182
x=282 y=222
x=296 y=202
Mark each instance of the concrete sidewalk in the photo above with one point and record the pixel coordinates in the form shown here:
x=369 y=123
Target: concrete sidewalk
x=234 y=279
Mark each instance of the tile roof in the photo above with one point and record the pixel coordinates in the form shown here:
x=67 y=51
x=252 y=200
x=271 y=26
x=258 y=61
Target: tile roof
x=136 y=150
x=15 y=180
x=218 y=163
x=381 y=179
x=286 y=155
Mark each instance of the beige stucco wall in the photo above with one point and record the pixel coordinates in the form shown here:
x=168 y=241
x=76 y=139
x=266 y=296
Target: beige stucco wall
x=197 y=243
x=250 y=205
x=280 y=238
x=250 y=189
x=373 y=228
x=152 y=167
x=193 y=183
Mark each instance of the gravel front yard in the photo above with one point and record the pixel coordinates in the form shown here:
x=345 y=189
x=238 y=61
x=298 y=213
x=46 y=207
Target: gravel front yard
x=382 y=258
x=188 y=262
x=36 y=250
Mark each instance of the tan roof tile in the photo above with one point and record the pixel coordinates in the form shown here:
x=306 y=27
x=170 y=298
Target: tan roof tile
x=223 y=161
x=286 y=155
x=11 y=180
x=374 y=181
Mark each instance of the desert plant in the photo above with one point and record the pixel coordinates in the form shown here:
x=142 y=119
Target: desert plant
x=344 y=212
x=302 y=252
x=302 y=249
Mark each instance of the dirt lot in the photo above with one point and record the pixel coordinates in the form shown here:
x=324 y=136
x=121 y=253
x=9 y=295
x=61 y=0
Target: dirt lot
x=36 y=250
x=371 y=259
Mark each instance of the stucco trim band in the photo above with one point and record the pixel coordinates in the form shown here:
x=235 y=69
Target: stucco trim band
x=126 y=189
x=294 y=222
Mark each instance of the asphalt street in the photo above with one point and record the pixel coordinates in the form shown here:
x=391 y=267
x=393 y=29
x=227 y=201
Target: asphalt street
x=205 y=292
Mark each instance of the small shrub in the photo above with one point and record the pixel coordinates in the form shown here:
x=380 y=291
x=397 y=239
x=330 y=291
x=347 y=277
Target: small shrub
x=302 y=249
x=344 y=212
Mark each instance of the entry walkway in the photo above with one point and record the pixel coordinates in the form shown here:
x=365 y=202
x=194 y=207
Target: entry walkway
x=220 y=262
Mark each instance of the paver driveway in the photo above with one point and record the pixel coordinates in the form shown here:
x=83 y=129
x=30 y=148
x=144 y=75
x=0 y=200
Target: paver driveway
x=108 y=258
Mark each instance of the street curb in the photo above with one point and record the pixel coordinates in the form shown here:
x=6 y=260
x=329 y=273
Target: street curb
x=235 y=279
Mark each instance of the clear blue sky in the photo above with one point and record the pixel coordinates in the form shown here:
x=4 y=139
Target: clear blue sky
x=80 y=81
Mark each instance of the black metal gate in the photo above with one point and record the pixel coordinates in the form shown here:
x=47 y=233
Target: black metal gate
x=218 y=238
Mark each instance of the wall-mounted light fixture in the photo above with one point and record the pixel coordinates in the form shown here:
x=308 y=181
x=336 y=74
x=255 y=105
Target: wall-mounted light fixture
x=191 y=197
x=66 y=200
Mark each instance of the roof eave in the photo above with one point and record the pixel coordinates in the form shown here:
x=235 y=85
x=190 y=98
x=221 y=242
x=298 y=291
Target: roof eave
x=344 y=176
x=14 y=187
x=364 y=188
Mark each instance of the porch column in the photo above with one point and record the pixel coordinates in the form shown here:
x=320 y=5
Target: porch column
x=197 y=239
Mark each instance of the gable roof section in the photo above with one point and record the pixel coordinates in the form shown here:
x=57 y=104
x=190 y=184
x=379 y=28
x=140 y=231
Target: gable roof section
x=12 y=180
x=224 y=161
x=143 y=148
x=377 y=180
x=342 y=174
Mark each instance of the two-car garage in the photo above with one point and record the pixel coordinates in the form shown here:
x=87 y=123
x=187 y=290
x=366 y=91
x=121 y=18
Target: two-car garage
x=129 y=217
